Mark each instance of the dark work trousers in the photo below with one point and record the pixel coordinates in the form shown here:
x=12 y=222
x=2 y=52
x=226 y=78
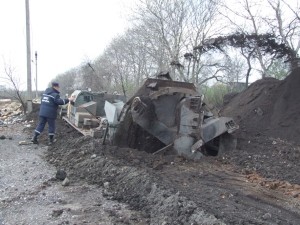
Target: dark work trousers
x=42 y=122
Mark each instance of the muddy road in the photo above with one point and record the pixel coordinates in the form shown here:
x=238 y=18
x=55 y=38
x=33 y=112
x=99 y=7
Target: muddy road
x=31 y=194
x=109 y=185
x=257 y=183
x=172 y=190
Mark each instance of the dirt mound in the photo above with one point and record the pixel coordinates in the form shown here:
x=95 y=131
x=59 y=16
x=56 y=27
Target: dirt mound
x=268 y=107
x=169 y=189
x=242 y=187
x=124 y=175
x=285 y=120
x=268 y=113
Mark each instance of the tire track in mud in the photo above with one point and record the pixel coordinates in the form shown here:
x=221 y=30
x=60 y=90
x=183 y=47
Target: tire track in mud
x=171 y=190
x=132 y=185
x=231 y=197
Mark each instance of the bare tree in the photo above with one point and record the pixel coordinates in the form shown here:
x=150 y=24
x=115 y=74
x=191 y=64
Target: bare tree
x=68 y=81
x=105 y=70
x=161 y=23
x=286 y=25
x=13 y=83
x=172 y=29
x=248 y=55
x=116 y=61
x=234 y=69
x=246 y=18
x=274 y=17
x=203 y=23
x=90 y=77
x=127 y=61
x=295 y=8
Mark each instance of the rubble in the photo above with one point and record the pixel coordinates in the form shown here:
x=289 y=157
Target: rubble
x=10 y=113
x=61 y=175
x=2 y=137
x=66 y=182
x=258 y=183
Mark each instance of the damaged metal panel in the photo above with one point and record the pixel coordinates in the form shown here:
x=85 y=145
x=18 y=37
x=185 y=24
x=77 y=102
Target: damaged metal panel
x=164 y=113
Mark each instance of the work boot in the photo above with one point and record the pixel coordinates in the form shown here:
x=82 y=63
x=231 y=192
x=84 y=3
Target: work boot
x=51 y=140
x=34 y=139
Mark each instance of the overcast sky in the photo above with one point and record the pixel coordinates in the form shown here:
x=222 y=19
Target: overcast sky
x=63 y=32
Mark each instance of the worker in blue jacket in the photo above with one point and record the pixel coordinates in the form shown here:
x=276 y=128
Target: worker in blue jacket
x=48 y=112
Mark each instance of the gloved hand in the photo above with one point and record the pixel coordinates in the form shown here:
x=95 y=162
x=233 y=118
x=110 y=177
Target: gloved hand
x=72 y=98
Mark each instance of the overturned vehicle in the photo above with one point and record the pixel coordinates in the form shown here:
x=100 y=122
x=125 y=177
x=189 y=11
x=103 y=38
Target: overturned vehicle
x=166 y=115
x=86 y=113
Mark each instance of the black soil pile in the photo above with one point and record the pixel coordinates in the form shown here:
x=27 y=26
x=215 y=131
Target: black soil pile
x=127 y=175
x=268 y=113
x=254 y=184
x=169 y=189
x=268 y=107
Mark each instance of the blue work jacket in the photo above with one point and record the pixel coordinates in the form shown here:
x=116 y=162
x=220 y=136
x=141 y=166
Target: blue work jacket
x=49 y=103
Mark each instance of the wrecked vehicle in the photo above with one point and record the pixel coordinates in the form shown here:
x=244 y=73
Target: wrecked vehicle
x=163 y=115
x=86 y=113
x=170 y=115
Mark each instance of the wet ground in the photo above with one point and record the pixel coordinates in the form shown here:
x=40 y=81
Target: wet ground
x=31 y=194
x=110 y=185
x=257 y=183
x=237 y=188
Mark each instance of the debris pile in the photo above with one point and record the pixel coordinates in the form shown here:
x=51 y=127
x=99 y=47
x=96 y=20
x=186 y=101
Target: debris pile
x=10 y=112
x=172 y=190
x=268 y=107
x=268 y=113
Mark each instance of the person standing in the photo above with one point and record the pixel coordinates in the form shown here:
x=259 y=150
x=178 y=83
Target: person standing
x=48 y=112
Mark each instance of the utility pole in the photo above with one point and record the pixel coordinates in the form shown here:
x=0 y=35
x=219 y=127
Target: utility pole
x=36 y=85
x=29 y=91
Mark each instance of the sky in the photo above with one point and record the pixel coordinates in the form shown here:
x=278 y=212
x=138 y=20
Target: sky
x=64 y=33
